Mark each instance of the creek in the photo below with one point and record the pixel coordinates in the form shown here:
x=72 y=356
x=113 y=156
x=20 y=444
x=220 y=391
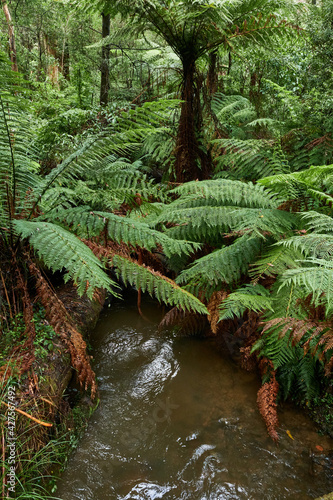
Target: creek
x=178 y=420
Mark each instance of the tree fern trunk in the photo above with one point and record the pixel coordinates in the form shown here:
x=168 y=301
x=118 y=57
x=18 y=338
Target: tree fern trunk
x=191 y=163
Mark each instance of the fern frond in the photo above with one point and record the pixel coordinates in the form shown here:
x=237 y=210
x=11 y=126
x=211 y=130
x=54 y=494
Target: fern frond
x=277 y=260
x=312 y=245
x=255 y=298
x=224 y=266
x=126 y=134
x=299 y=184
x=207 y=223
x=273 y=346
x=157 y=285
x=59 y=249
x=17 y=176
x=199 y=223
x=122 y=230
x=317 y=280
x=224 y=192
x=317 y=222
x=251 y=159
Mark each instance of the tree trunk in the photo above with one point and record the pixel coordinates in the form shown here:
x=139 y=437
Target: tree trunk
x=212 y=73
x=11 y=36
x=105 y=83
x=191 y=162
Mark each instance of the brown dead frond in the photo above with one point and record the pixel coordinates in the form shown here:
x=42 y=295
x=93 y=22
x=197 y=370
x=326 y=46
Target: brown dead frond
x=213 y=308
x=297 y=329
x=187 y=322
x=172 y=318
x=65 y=328
x=324 y=140
x=266 y=399
x=106 y=251
x=249 y=331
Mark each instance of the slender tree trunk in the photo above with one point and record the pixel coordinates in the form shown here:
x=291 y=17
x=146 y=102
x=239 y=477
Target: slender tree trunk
x=105 y=70
x=40 y=54
x=191 y=162
x=11 y=36
x=212 y=74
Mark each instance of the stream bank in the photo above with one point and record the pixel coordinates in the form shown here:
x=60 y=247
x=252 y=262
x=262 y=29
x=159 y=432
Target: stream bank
x=47 y=427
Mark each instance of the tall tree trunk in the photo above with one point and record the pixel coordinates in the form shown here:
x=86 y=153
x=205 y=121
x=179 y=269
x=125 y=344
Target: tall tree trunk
x=212 y=73
x=105 y=82
x=191 y=162
x=11 y=36
x=52 y=50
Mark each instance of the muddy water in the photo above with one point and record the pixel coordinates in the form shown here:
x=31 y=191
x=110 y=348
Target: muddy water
x=178 y=420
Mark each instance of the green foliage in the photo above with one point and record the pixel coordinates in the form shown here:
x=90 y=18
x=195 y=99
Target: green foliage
x=223 y=266
x=88 y=224
x=157 y=285
x=250 y=159
x=60 y=249
x=226 y=192
x=254 y=298
x=299 y=374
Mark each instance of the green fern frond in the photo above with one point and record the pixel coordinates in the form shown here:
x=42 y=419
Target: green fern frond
x=224 y=266
x=317 y=222
x=59 y=249
x=88 y=223
x=157 y=285
x=126 y=134
x=298 y=184
x=224 y=192
x=251 y=159
x=199 y=223
x=312 y=245
x=17 y=166
x=277 y=260
x=252 y=297
x=316 y=280
x=261 y=222
x=207 y=223
x=276 y=349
